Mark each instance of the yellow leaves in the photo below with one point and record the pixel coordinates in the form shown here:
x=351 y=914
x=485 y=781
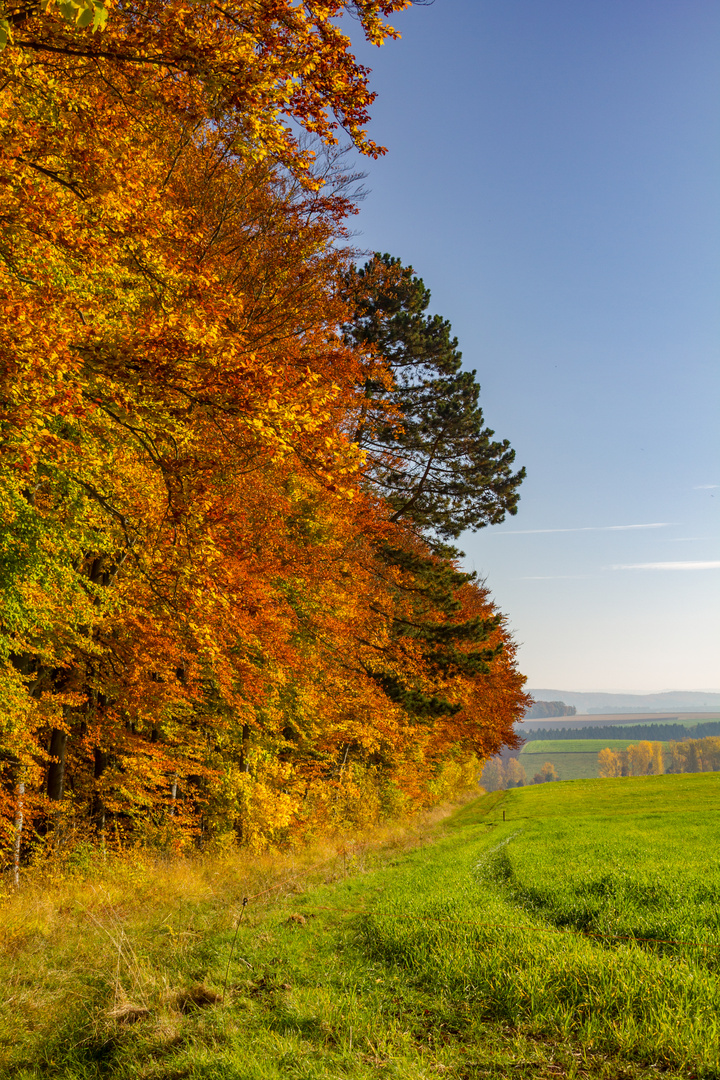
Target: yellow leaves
x=82 y=13
x=180 y=403
x=288 y=63
x=609 y=763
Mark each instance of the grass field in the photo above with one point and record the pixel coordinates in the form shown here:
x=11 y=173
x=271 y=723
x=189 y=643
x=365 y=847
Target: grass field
x=574 y=759
x=591 y=915
x=567 y=766
x=579 y=938
x=578 y=746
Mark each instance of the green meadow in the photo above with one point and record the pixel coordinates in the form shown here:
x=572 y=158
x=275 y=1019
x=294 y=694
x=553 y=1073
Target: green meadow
x=578 y=746
x=576 y=766
x=562 y=930
x=574 y=759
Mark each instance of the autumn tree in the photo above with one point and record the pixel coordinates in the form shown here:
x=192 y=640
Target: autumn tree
x=695 y=755
x=245 y=68
x=609 y=763
x=141 y=240
x=515 y=775
x=212 y=621
x=547 y=774
x=644 y=758
x=493 y=775
x=657 y=763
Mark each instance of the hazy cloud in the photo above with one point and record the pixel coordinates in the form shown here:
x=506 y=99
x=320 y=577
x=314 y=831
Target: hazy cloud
x=586 y=528
x=669 y=566
x=705 y=487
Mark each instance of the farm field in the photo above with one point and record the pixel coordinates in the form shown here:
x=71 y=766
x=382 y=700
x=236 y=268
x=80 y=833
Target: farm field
x=576 y=766
x=578 y=746
x=620 y=720
x=689 y=722
x=579 y=939
x=574 y=759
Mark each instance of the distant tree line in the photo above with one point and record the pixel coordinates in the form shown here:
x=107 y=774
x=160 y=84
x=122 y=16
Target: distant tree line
x=645 y=759
x=648 y=758
x=650 y=732
x=695 y=755
x=540 y=709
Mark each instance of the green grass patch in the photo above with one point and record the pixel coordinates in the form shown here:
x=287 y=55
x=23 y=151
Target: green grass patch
x=591 y=915
x=579 y=938
x=568 y=766
x=577 y=746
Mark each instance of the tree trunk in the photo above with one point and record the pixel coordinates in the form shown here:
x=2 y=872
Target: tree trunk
x=244 y=763
x=70 y=680
x=97 y=809
x=17 y=839
x=56 y=770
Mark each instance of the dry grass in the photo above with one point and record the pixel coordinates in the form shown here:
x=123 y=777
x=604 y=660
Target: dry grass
x=129 y=940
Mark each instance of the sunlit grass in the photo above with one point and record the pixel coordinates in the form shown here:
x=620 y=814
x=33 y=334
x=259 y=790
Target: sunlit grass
x=542 y=920
x=469 y=956
x=100 y=959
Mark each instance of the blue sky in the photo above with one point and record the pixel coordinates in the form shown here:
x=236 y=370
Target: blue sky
x=553 y=175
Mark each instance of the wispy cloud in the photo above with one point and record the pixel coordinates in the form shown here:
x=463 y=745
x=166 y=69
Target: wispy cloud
x=552 y=577
x=705 y=487
x=586 y=528
x=668 y=566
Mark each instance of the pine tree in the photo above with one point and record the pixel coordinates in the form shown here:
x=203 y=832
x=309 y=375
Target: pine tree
x=448 y=645
x=431 y=456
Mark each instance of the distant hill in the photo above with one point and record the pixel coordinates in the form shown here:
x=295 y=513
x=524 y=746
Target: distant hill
x=549 y=708
x=676 y=701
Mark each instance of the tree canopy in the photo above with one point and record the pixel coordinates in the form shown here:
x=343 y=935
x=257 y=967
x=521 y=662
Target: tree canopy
x=217 y=619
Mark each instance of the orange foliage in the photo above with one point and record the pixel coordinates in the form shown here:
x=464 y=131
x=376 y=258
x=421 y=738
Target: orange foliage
x=197 y=618
x=249 y=66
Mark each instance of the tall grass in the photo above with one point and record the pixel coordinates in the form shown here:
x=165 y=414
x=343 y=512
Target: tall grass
x=539 y=922
x=469 y=956
x=102 y=954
